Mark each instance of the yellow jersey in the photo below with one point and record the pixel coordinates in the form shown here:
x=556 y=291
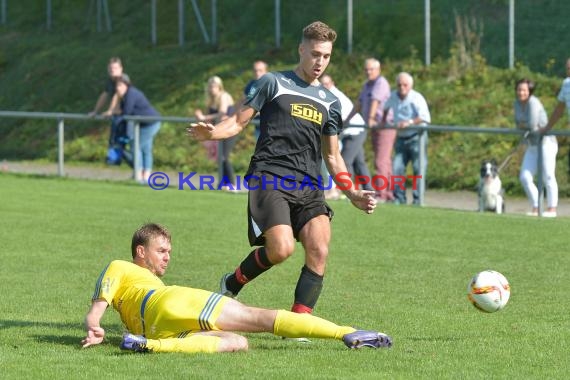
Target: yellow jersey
x=127 y=286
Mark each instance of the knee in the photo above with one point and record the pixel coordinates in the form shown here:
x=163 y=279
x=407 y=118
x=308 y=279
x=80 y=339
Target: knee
x=525 y=177
x=319 y=253
x=280 y=250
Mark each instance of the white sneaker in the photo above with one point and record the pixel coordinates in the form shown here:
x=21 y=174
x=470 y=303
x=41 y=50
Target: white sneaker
x=223 y=288
x=532 y=213
x=549 y=214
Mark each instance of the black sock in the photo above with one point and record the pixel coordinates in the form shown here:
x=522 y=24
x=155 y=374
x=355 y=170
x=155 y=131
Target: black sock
x=307 y=291
x=252 y=266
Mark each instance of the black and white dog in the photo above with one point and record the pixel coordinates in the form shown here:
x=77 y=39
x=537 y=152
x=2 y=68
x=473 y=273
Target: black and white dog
x=490 y=188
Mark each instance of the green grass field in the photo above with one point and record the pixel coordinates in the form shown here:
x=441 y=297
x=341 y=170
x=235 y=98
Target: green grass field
x=402 y=270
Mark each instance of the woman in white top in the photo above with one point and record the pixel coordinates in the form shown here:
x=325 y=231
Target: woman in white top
x=531 y=116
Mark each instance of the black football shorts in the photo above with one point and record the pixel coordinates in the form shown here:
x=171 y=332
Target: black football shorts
x=291 y=205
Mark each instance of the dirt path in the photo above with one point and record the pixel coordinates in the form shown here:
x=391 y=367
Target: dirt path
x=459 y=200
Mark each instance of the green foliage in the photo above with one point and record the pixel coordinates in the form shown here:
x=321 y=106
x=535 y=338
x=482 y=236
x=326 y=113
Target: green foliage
x=63 y=70
x=60 y=233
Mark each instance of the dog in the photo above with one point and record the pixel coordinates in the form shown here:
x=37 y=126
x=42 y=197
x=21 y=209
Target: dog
x=491 y=193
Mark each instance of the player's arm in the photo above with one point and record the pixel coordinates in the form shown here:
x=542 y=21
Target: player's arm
x=362 y=199
x=95 y=332
x=224 y=129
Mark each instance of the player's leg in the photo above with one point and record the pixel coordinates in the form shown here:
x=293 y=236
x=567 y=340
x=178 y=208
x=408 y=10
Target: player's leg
x=311 y=217
x=315 y=237
x=279 y=245
x=236 y=316
x=203 y=341
x=269 y=225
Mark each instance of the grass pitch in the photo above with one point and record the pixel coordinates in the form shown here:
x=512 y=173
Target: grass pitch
x=402 y=270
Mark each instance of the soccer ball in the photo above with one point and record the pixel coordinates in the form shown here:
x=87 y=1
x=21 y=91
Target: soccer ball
x=489 y=291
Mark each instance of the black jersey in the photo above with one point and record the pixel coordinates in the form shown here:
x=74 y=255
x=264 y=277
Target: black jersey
x=293 y=115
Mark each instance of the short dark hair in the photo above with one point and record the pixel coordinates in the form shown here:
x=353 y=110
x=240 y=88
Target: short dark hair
x=124 y=78
x=115 y=60
x=146 y=233
x=530 y=83
x=319 y=31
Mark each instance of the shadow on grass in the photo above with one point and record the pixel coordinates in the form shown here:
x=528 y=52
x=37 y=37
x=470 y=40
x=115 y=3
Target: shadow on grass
x=113 y=331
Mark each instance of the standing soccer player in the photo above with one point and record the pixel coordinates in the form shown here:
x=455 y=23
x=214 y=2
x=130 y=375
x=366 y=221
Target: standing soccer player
x=300 y=121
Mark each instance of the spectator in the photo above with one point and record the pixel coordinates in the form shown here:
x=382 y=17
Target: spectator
x=370 y=104
x=114 y=70
x=353 y=135
x=409 y=108
x=259 y=70
x=220 y=106
x=531 y=116
x=563 y=102
x=134 y=102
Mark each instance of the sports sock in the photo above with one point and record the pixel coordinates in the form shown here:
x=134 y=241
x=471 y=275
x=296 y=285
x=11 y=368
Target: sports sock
x=307 y=292
x=191 y=344
x=252 y=266
x=294 y=325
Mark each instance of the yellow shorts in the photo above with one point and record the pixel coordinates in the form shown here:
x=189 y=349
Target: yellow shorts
x=176 y=311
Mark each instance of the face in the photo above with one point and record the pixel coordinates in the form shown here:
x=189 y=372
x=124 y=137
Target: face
x=568 y=67
x=372 y=71
x=121 y=89
x=522 y=92
x=115 y=69
x=327 y=82
x=404 y=86
x=259 y=69
x=314 y=59
x=156 y=255
x=214 y=89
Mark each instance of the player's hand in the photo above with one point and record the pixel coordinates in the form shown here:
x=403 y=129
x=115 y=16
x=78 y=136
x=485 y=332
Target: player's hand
x=94 y=336
x=200 y=131
x=364 y=200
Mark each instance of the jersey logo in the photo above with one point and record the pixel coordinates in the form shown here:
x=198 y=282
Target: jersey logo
x=287 y=80
x=307 y=112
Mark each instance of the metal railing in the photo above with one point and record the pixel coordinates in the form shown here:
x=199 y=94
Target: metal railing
x=62 y=117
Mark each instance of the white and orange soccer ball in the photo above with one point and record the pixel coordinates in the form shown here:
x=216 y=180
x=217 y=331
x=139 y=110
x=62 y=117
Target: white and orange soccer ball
x=489 y=291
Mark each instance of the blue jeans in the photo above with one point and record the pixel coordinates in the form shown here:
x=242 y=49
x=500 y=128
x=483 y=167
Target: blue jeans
x=408 y=150
x=146 y=138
